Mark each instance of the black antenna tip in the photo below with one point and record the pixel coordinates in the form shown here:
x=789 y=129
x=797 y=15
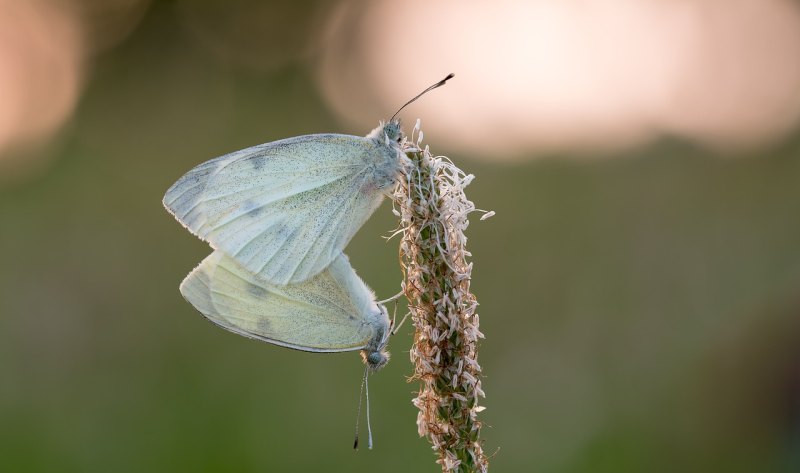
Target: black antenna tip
x=438 y=84
x=441 y=82
x=355 y=443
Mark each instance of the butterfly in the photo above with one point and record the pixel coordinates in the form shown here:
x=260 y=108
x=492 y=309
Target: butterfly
x=286 y=209
x=333 y=311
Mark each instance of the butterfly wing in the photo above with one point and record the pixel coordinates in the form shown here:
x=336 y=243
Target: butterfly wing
x=332 y=311
x=285 y=209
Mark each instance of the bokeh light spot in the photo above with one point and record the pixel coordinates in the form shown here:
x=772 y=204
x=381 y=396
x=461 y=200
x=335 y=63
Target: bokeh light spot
x=574 y=76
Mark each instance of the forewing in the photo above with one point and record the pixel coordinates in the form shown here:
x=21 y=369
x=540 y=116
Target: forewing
x=285 y=209
x=327 y=313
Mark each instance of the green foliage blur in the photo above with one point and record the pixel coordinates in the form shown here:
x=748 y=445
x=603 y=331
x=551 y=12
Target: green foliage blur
x=641 y=312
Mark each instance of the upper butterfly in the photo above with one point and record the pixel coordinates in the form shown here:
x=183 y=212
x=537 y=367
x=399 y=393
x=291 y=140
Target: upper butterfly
x=286 y=209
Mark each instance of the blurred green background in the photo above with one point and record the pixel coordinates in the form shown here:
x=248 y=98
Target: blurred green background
x=641 y=309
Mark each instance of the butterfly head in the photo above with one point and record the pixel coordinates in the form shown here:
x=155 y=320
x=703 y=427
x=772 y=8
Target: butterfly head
x=392 y=131
x=375 y=360
x=375 y=355
x=388 y=134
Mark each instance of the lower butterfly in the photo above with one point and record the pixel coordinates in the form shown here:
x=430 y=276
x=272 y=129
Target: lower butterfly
x=333 y=311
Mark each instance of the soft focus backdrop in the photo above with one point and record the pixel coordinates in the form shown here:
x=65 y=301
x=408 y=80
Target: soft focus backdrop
x=639 y=285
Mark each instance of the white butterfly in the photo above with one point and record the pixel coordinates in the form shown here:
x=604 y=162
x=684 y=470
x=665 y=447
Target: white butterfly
x=286 y=209
x=333 y=311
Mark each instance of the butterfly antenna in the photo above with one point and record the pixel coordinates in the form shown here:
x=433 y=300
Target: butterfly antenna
x=438 y=84
x=366 y=390
x=358 y=415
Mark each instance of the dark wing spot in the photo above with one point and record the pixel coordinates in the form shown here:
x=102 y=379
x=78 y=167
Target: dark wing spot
x=263 y=326
x=257 y=291
x=251 y=209
x=258 y=162
x=283 y=231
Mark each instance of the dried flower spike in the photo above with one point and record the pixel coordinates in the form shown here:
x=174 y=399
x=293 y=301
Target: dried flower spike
x=433 y=217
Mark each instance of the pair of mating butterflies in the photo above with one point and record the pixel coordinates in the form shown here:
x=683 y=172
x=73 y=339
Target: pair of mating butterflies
x=278 y=216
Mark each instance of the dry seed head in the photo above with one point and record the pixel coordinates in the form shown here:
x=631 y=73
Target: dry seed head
x=433 y=212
